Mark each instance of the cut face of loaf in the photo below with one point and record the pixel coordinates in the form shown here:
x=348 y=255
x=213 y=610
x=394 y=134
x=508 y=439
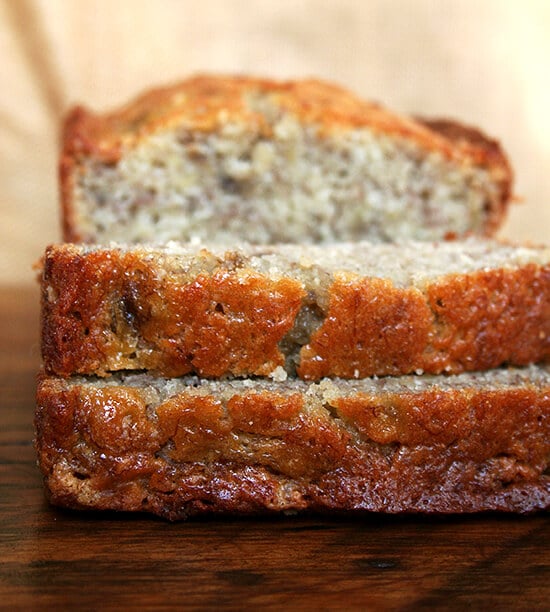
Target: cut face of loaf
x=351 y=310
x=467 y=443
x=225 y=159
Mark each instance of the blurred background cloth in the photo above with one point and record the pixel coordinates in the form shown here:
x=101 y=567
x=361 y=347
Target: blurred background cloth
x=484 y=62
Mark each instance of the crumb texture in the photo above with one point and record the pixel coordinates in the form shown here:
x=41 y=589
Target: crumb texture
x=220 y=159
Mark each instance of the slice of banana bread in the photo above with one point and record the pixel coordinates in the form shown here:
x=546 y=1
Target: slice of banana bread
x=423 y=444
x=222 y=158
x=351 y=310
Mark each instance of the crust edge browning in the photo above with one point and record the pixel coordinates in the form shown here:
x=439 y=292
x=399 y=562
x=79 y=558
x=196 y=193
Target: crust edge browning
x=108 y=310
x=437 y=451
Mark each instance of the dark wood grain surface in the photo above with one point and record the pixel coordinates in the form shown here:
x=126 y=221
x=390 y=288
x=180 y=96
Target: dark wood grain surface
x=53 y=559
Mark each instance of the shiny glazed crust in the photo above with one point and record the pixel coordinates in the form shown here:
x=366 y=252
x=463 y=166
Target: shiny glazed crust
x=290 y=448
x=206 y=103
x=110 y=309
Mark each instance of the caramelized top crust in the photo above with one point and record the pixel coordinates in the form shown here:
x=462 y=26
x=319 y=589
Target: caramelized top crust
x=207 y=102
x=177 y=447
x=267 y=312
x=204 y=423
x=206 y=321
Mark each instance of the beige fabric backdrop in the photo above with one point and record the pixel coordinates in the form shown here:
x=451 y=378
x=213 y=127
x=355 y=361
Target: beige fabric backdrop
x=486 y=62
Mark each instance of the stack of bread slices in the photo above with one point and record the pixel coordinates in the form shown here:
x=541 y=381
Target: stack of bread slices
x=275 y=296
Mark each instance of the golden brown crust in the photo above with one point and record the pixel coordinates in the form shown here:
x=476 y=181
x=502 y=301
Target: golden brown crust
x=433 y=451
x=371 y=326
x=206 y=102
x=116 y=311
x=460 y=322
x=109 y=310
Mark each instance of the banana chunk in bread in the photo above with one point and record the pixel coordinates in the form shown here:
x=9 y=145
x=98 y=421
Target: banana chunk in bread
x=179 y=447
x=232 y=158
x=349 y=310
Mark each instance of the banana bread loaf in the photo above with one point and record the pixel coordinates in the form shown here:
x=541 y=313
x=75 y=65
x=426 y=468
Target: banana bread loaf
x=351 y=310
x=222 y=158
x=423 y=444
